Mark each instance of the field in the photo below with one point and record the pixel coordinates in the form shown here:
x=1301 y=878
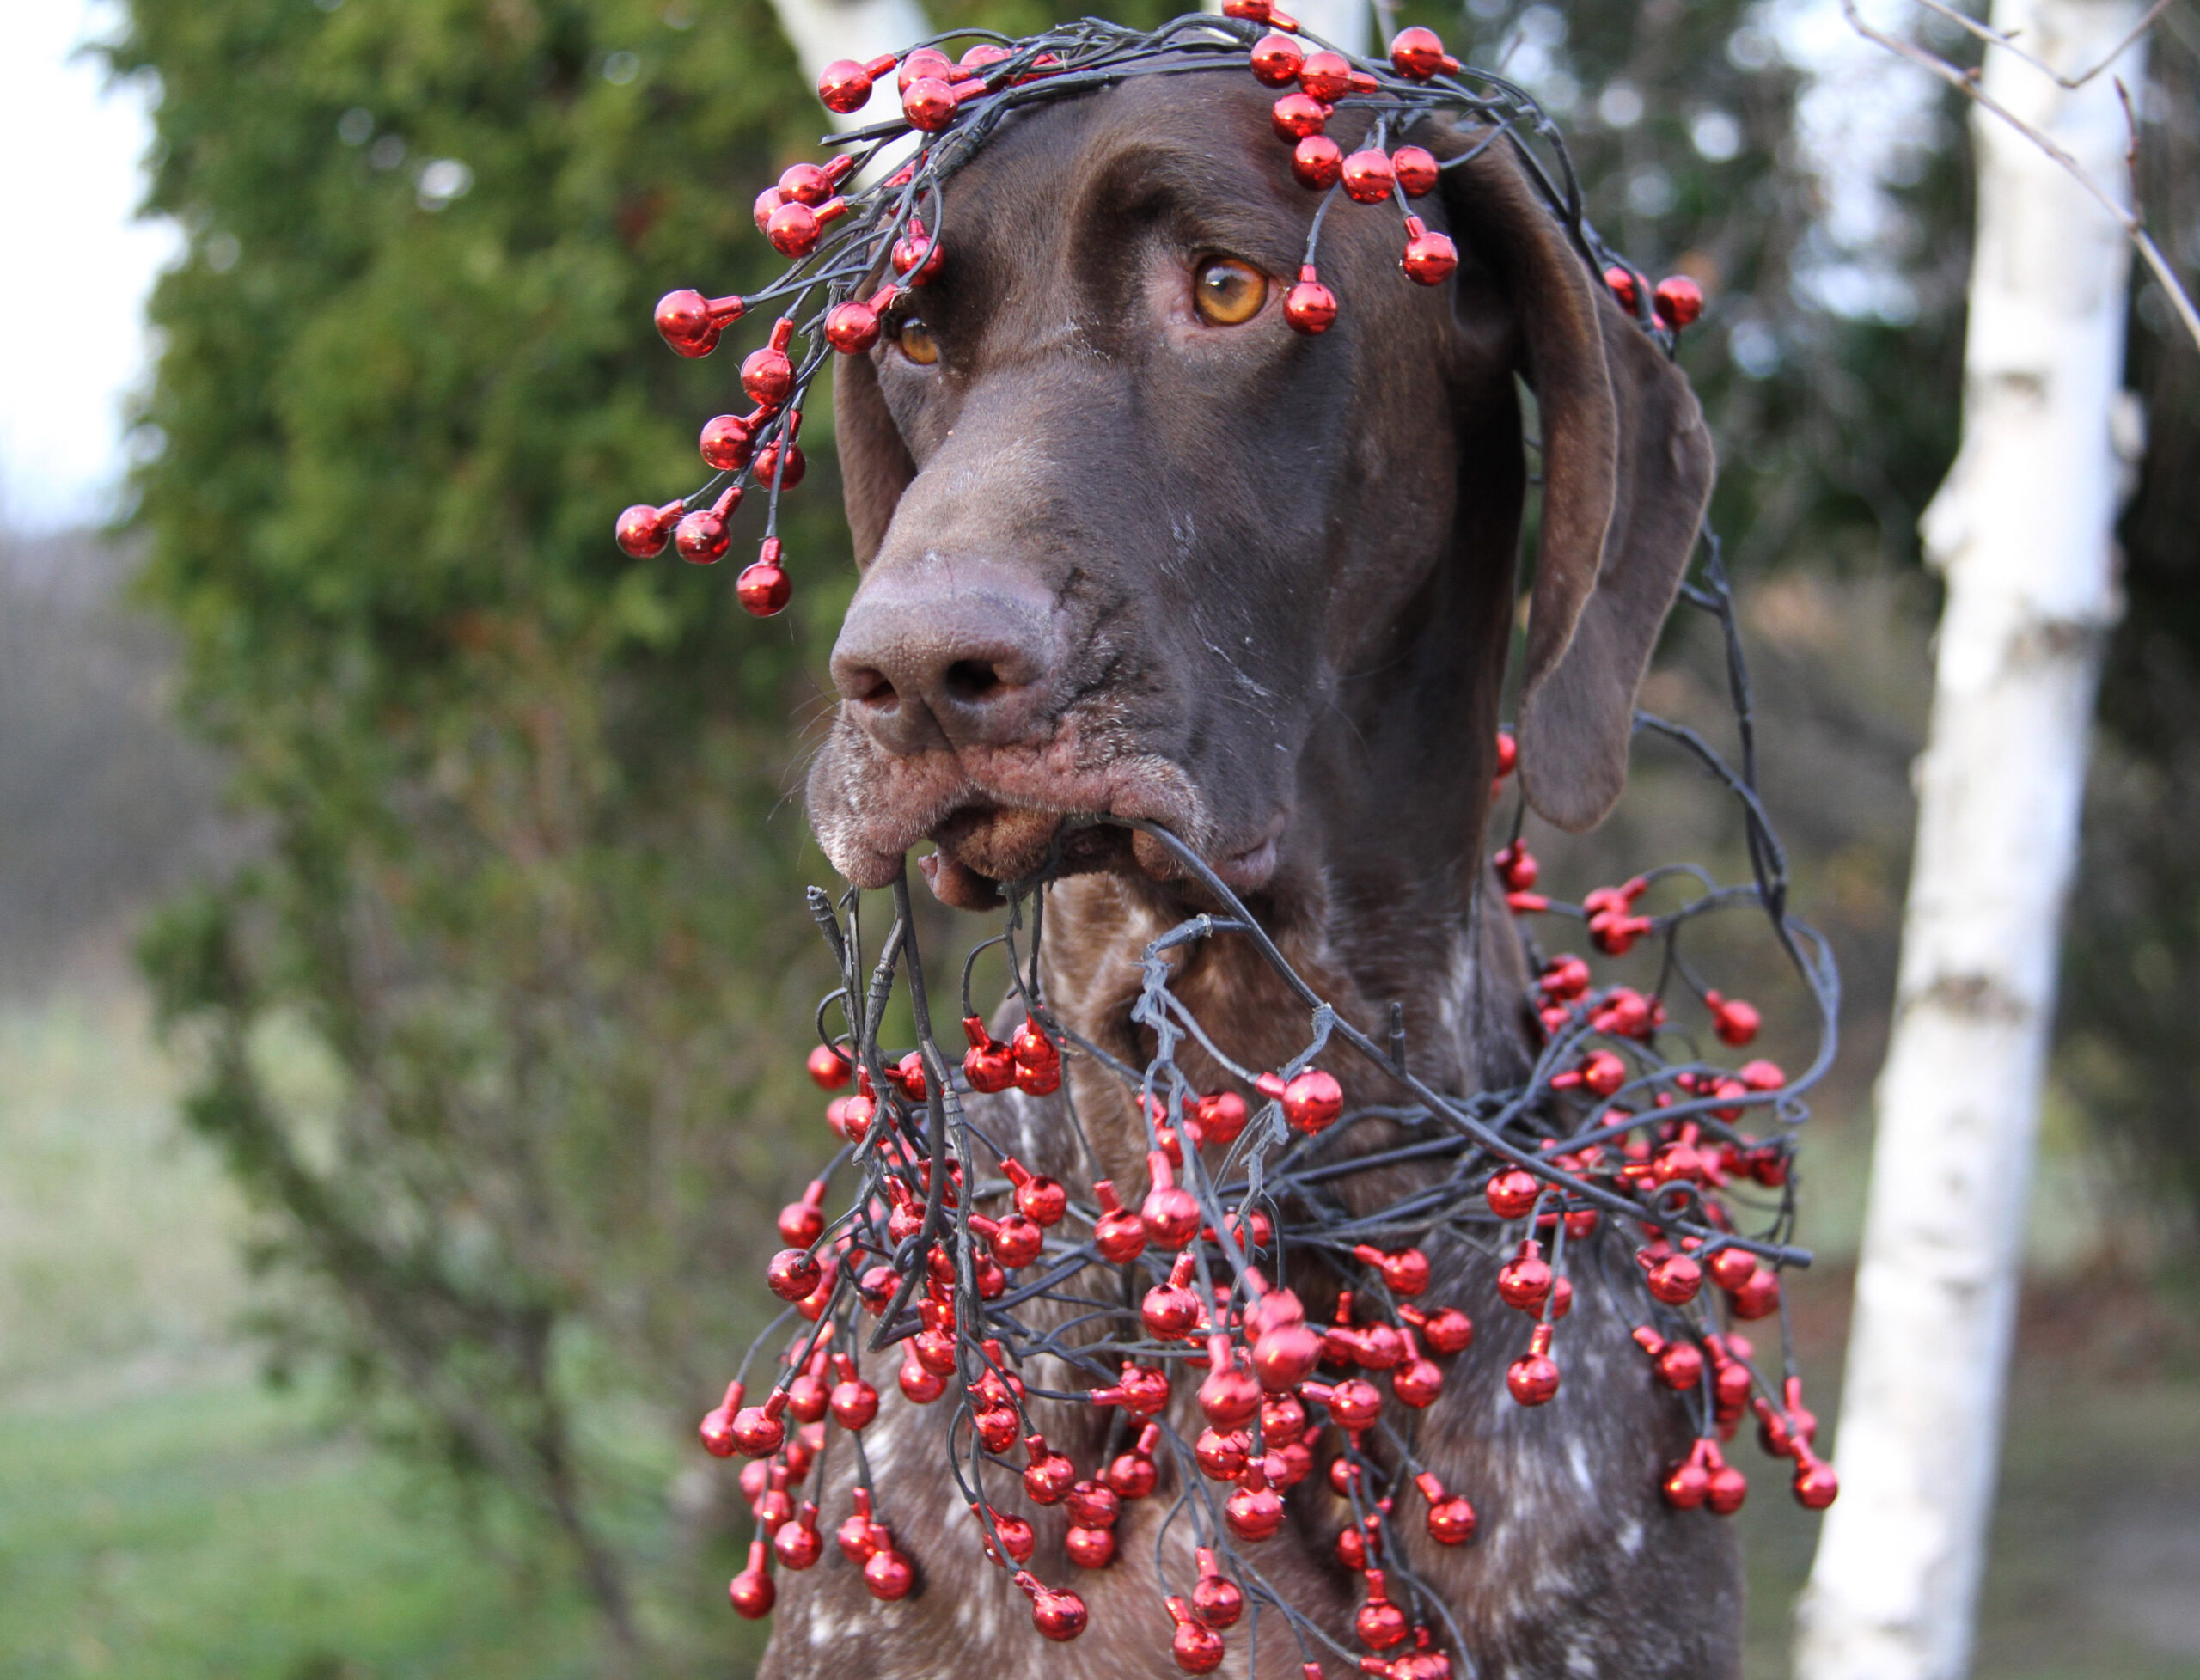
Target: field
x=166 y=1515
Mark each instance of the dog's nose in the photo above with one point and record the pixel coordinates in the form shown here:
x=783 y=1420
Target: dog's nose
x=959 y=662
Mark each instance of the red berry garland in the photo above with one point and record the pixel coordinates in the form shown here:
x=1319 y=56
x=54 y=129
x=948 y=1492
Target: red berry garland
x=942 y=1245
x=1618 y=1123
x=840 y=241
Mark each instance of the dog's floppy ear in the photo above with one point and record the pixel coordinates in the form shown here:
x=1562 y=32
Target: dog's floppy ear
x=1626 y=469
x=875 y=463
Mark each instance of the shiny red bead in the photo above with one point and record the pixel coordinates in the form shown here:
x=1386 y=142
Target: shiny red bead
x=828 y=1068
x=1675 y=1279
x=1325 y=75
x=1368 y=177
x=1089 y=1548
x=763 y=589
x=845 y=85
x=1038 y=1063
x=1118 y=1233
x=1060 y=1616
x=764 y=206
x=1168 y=1312
x=1430 y=256
x=1217 y=1601
x=798 y=1545
x=1313 y=1099
x=852 y=327
x=1310 y=307
x=691 y=322
x=1295 y=116
x=1728 y=1489
x=1170 y=1213
x=1093 y=1505
x=1685 y=1486
x=1041 y=1201
x=919 y=1386
x=1447 y=1330
x=888 y=1575
x=793 y=1274
x=802 y=1223
x=916 y=256
x=1354 y=1403
x=1229 y=1396
x=929 y=104
x=1621 y=283
x=1317 y=162
x=1221 y=1117
x=1221 y=1454
x=1757 y=1299
x=1731 y=1268
x=1048 y=1476
x=1450 y=1518
x=701 y=537
x=1415 y=167
x=1680 y=1366
x=1524 y=1282
x=1419 y=54
x=1254 y=1514
x=642 y=531
x=1679 y=301
x=1512 y=1194
x=767 y=376
x=752 y=1593
x=1018 y=1241
x=1417 y=1383
x=1286 y=1356
x=1276 y=59
x=854 y=1402
x=1735 y=1022
x=769 y=471
x=1815 y=1485
x=793 y=229
x=1533 y=1378
x=1379 y=1623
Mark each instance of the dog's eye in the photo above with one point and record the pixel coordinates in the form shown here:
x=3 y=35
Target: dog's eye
x=917 y=342
x=1228 y=292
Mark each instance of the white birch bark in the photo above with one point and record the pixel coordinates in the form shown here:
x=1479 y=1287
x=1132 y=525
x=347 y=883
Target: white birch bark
x=2023 y=532
x=823 y=30
x=1349 y=24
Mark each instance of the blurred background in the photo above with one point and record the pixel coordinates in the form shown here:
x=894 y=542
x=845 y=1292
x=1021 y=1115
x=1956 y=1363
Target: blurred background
x=401 y=961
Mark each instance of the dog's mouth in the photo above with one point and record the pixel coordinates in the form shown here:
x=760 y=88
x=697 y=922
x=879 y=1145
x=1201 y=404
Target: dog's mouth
x=1005 y=815
x=984 y=845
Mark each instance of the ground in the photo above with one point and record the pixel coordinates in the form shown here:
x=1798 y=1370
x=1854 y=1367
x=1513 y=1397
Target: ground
x=165 y=1513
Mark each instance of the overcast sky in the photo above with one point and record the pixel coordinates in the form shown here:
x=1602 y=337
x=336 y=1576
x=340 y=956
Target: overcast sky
x=73 y=283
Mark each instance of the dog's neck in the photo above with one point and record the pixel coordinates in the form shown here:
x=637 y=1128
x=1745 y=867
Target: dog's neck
x=1382 y=894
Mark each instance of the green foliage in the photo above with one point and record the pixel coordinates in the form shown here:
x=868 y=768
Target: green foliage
x=518 y=790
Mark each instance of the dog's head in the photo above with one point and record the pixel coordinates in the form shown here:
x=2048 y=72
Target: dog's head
x=1131 y=545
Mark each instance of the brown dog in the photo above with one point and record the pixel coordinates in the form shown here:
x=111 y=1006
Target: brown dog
x=1257 y=587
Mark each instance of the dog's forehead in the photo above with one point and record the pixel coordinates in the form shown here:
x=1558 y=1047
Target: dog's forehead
x=1195 y=151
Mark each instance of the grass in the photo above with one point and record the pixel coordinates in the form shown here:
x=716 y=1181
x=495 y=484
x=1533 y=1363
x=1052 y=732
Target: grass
x=163 y=1513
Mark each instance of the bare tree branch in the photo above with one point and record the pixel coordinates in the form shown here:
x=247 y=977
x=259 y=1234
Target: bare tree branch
x=1968 y=82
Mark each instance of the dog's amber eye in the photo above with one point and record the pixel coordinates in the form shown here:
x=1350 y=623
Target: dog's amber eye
x=1228 y=292
x=917 y=342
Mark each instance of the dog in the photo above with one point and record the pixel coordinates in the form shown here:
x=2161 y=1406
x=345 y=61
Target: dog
x=1119 y=557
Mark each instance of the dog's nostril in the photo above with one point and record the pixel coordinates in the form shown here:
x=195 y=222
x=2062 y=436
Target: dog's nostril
x=871 y=688
x=972 y=680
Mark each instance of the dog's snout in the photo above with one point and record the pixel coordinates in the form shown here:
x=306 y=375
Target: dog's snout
x=955 y=663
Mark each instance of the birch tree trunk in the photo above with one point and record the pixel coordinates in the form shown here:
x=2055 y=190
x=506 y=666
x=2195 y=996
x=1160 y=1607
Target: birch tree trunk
x=2023 y=532
x=823 y=30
